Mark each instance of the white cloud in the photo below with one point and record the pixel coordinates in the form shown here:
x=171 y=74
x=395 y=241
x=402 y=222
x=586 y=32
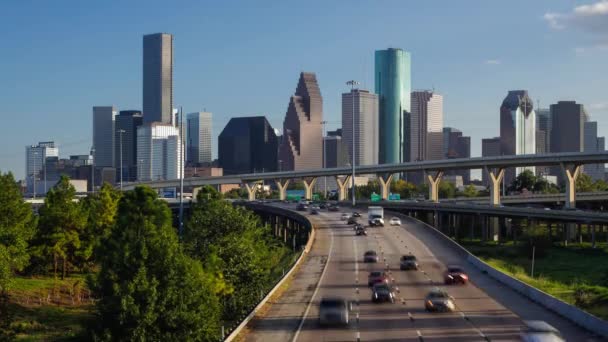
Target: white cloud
x=492 y=62
x=600 y=106
x=591 y=18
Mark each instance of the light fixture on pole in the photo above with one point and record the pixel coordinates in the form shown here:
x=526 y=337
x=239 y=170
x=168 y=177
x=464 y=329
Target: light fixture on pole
x=181 y=172
x=93 y=169
x=352 y=84
x=324 y=157
x=120 y=132
x=34 y=173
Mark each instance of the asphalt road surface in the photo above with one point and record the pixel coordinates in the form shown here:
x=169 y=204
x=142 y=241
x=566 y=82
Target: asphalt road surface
x=485 y=310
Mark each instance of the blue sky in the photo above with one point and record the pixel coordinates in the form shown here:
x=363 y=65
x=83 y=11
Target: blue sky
x=236 y=58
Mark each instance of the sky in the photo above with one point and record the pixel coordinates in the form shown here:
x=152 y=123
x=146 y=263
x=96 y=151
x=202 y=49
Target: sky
x=238 y=58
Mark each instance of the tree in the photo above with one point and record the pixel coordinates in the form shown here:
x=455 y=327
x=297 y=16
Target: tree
x=404 y=189
x=470 y=191
x=525 y=180
x=62 y=223
x=584 y=183
x=17 y=226
x=446 y=189
x=148 y=289
x=101 y=209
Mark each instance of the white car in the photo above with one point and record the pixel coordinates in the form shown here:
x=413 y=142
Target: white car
x=395 y=221
x=540 y=331
x=345 y=216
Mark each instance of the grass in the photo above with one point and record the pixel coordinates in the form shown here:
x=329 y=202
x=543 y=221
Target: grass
x=45 y=309
x=576 y=274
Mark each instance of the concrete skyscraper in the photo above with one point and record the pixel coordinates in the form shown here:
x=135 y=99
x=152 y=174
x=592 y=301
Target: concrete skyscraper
x=301 y=144
x=393 y=85
x=567 y=130
x=490 y=147
x=517 y=128
x=104 y=134
x=426 y=126
x=158 y=77
x=127 y=122
x=455 y=145
x=593 y=143
x=366 y=125
x=36 y=157
x=158 y=152
x=198 y=133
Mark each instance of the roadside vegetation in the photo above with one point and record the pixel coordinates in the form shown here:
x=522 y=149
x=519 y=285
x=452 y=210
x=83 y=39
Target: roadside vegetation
x=111 y=266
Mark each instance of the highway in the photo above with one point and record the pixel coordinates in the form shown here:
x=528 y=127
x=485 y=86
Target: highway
x=485 y=309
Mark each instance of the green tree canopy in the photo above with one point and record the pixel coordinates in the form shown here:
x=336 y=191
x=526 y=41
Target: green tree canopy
x=525 y=180
x=17 y=226
x=62 y=222
x=404 y=189
x=446 y=189
x=148 y=289
x=584 y=183
x=470 y=191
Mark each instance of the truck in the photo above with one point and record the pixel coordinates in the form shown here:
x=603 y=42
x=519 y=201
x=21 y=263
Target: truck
x=375 y=216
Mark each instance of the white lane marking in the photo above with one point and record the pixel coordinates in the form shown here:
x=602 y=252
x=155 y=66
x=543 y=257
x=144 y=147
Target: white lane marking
x=358 y=336
x=314 y=294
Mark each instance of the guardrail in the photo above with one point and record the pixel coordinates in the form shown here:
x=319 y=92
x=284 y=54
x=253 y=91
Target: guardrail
x=311 y=237
x=568 y=311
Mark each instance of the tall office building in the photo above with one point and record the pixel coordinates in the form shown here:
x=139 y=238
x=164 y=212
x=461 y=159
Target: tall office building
x=455 y=145
x=593 y=143
x=248 y=145
x=490 y=147
x=158 y=77
x=104 y=134
x=336 y=151
x=426 y=126
x=158 y=152
x=543 y=123
x=517 y=129
x=301 y=145
x=365 y=114
x=393 y=86
x=198 y=138
x=127 y=122
x=567 y=130
x=36 y=157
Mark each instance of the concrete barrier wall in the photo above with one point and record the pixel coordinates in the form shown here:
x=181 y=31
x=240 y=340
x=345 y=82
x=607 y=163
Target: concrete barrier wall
x=311 y=238
x=568 y=311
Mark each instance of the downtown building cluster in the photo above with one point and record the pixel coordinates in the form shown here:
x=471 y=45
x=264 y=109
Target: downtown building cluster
x=393 y=124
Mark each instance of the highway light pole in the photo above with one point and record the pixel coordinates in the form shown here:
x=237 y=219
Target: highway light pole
x=324 y=158
x=93 y=170
x=352 y=84
x=181 y=172
x=120 y=132
x=34 y=174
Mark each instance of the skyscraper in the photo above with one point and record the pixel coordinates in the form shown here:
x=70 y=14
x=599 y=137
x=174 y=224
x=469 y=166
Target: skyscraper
x=490 y=147
x=36 y=157
x=198 y=138
x=248 y=145
x=593 y=143
x=158 y=152
x=543 y=123
x=301 y=145
x=455 y=145
x=127 y=121
x=393 y=86
x=366 y=125
x=426 y=126
x=158 y=77
x=567 y=130
x=517 y=128
x=104 y=134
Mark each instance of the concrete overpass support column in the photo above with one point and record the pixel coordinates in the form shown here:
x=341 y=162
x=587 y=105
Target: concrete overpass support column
x=592 y=236
x=251 y=189
x=282 y=186
x=434 y=185
x=495 y=178
x=385 y=185
x=309 y=185
x=342 y=187
x=494 y=228
x=571 y=173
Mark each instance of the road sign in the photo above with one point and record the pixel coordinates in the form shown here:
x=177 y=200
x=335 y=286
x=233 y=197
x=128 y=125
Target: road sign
x=394 y=197
x=375 y=197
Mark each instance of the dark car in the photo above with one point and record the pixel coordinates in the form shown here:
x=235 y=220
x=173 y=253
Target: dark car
x=352 y=220
x=334 y=311
x=322 y=206
x=314 y=212
x=356 y=214
x=408 y=262
x=382 y=292
x=540 y=331
x=370 y=256
x=358 y=226
x=455 y=275
x=333 y=208
x=377 y=277
x=301 y=207
x=360 y=231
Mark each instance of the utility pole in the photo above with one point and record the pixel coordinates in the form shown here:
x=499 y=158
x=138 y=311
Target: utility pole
x=352 y=84
x=324 y=158
x=181 y=173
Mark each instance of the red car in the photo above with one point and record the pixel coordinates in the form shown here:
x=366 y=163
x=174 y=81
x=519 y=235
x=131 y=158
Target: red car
x=455 y=275
x=377 y=277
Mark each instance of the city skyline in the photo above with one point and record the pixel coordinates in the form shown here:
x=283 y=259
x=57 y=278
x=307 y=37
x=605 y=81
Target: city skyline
x=119 y=83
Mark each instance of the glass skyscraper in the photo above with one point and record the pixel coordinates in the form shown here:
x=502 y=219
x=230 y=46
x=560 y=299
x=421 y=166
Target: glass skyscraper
x=517 y=129
x=158 y=77
x=393 y=86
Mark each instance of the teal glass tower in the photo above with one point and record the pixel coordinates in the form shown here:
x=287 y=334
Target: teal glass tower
x=393 y=80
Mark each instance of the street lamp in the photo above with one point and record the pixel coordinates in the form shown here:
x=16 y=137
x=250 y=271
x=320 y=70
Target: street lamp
x=93 y=170
x=34 y=174
x=352 y=84
x=120 y=132
x=324 y=157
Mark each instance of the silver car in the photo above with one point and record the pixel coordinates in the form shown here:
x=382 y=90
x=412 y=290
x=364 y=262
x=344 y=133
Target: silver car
x=540 y=331
x=439 y=301
x=408 y=262
x=334 y=311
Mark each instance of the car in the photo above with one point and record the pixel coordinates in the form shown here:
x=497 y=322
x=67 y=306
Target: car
x=323 y=206
x=455 y=275
x=376 y=277
x=540 y=331
x=356 y=214
x=370 y=256
x=345 y=216
x=357 y=226
x=408 y=262
x=439 y=300
x=361 y=231
x=333 y=208
x=301 y=207
x=395 y=221
x=352 y=220
x=376 y=222
x=314 y=211
x=382 y=292
x=334 y=311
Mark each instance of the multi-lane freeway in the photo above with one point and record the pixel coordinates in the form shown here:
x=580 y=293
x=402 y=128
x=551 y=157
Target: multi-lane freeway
x=485 y=310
